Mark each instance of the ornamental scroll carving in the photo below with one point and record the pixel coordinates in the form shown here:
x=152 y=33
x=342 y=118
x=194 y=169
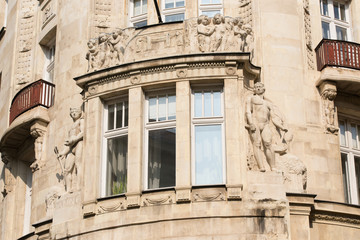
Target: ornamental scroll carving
x=270 y=140
x=196 y=35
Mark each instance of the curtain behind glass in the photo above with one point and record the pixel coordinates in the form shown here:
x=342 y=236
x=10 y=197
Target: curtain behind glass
x=116 y=175
x=161 y=158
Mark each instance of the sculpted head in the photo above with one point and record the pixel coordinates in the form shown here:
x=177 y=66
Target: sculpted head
x=75 y=113
x=91 y=43
x=203 y=19
x=116 y=33
x=218 y=19
x=102 y=37
x=259 y=88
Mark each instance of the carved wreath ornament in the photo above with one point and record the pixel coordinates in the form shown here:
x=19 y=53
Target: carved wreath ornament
x=202 y=34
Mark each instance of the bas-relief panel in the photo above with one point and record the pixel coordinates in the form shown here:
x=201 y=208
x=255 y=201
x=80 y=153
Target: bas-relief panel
x=197 y=35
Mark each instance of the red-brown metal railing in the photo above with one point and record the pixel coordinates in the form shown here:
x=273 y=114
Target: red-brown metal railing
x=337 y=53
x=39 y=93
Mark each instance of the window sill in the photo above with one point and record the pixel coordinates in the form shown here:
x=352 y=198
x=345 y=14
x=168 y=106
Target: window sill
x=159 y=190
x=110 y=197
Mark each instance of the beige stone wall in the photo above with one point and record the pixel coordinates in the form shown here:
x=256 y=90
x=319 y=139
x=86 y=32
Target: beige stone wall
x=251 y=204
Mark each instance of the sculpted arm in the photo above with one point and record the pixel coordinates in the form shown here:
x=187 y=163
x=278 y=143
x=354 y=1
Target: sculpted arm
x=248 y=114
x=277 y=120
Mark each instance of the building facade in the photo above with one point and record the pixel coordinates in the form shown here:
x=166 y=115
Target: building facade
x=180 y=119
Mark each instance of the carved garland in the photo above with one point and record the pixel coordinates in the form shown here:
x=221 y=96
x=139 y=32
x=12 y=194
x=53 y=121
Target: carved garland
x=335 y=218
x=307 y=23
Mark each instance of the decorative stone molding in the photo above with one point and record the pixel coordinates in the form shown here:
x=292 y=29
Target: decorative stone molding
x=48 y=12
x=89 y=208
x=207 y=195
x=198 y=35
x=157 y=200
x=308 y=37
x=181 y=70
x=245 y=11
x=102 y=16
x=183 y=195
x=133 y=200
x=25 y=43
x=336 y=217
x=117 y=206
x=328 y=94
x=231 y=68
x=234 y=192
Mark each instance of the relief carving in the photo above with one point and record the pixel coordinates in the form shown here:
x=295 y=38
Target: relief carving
x=111 y=208
x=270 y=137
x=212 y=196
x=9 y=179
x=38 y=134
x=328 y=94
x=71 y=155
x=307 y=23
x=53 y=195
x=157 y=200
x=202 y=34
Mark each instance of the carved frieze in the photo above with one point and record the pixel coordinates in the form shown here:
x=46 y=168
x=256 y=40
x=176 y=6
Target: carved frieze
x=308 y=37
x=203 y=34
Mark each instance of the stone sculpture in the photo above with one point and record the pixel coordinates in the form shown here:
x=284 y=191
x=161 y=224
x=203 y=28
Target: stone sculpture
x=328 y=97
x=70 y=157
x=259 y=113
x=205 y=30
x=202 y=34
x=38 y=134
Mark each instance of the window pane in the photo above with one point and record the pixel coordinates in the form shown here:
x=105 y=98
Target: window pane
x=208 y=155
x=217 y=103
x=137 y=7
x=210 y=13
x=357 y=174
x=152 y=110
x=326 y=30
x=175 y=17
x=205 y=1
x=140 y=24
x=207 y=104
x=126 y=115
x=111 y=115
x=116 y=172
x=119 y=115
x=171 y=107
x=353 y=136
x=144 y=6
x=162 y=108
x=336 y=10
x=345 y=174
x=216 y=1
x=325 y=10
x=180 y=3
x=198 y=104
x=342 y=133
x=161 y=159
x=342 y=12
x=169 y=3
x=341 y=33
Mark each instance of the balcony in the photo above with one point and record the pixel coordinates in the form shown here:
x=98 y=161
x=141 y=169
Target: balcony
x=39 y=93
x=337 y=53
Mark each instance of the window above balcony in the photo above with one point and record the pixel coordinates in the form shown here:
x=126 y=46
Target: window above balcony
x=335 y=20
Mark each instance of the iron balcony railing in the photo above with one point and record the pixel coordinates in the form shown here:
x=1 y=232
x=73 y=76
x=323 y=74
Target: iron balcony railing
x=338 y=54
x=39 y=93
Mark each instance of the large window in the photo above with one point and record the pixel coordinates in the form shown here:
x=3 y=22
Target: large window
x=350 y=159
x=115 y=145
x=138 y=12
x=335 y=20
x=173 y=10
x=210 y=7
x=160 y=135
x=208 y=137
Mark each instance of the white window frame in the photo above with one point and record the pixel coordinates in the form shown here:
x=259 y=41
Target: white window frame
x=158 y=125
x=333 y=22
x=351 y=152
x=210 y=7
x=49 y=63
x=172 y=11
x=109 y=134
x=134 y=19
x=207 y=121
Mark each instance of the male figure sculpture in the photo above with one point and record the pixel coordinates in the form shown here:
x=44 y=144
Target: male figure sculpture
x=73 y=150
x=259 y=113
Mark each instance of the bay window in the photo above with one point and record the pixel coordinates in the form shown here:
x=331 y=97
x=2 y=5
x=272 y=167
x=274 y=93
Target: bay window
x=115 y=145
x=208 y=147
x=350 y=159
x=160 y=137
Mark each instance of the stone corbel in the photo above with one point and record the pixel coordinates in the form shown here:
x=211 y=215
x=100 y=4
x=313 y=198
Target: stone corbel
x=328 y=93
x=37 y=131
x=183 y=195
x=9 y=179
x=234 y=192
x=89 y=208
x=231 y=67
x=133 y=200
